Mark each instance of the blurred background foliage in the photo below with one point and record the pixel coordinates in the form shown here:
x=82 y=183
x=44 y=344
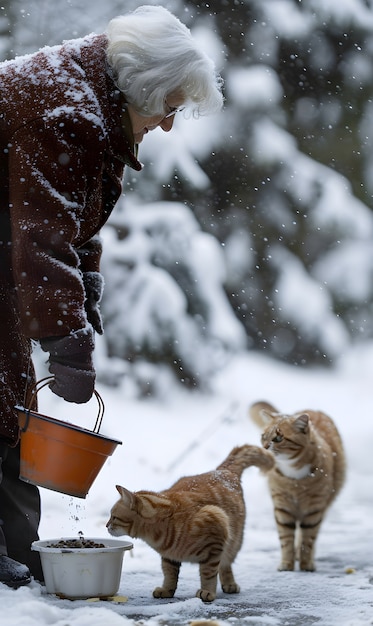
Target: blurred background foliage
x=281 y=180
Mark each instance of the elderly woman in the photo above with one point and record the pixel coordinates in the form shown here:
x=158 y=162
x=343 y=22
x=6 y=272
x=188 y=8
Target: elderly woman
x=71 y=117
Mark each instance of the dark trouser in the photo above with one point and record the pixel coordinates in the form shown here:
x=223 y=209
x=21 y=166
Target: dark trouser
x=19 y=512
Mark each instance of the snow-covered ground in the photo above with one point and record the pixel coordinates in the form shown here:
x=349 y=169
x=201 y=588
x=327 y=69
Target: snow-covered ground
x=188 y=433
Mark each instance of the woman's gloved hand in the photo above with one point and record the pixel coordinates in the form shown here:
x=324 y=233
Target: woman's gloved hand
x=71 y=364
x=94 y=288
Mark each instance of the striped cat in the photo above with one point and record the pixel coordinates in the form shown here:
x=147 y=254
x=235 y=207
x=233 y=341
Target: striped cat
x=200 y=519
x=308 y=474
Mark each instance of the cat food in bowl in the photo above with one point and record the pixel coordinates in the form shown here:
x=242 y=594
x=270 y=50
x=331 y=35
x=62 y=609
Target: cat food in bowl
x=77 y=568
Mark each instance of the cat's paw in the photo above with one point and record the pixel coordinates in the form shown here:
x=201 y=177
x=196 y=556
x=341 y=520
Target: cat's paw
x=286 y=566
x=160 y=592
x=307 y=567
x=206 y=596
x=231 y=588
x=268 y=461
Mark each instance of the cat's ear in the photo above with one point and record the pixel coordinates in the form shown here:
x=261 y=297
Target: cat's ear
x=262 y=413
x=127 y=496
x=301 y=423
x=267 y=417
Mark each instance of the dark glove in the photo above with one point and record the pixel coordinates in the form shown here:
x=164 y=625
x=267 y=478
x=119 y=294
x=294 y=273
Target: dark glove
x=94 y=288
x=70 y=362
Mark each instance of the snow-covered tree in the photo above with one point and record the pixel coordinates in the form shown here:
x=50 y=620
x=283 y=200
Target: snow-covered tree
x=164 y=298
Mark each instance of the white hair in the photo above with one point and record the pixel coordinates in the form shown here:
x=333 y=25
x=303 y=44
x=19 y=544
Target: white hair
x=152 y=54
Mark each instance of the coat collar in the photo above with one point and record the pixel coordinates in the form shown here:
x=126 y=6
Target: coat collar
x=112 y=101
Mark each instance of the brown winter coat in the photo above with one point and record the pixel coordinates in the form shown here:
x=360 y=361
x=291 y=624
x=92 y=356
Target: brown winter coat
x=62 y=152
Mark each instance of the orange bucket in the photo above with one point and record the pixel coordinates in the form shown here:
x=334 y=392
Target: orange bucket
x=58 y=455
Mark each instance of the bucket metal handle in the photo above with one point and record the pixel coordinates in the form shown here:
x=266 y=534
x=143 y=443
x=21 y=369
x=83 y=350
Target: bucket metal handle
x=47 y=381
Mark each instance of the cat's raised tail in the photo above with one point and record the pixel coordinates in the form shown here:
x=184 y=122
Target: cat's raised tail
x=245 y=456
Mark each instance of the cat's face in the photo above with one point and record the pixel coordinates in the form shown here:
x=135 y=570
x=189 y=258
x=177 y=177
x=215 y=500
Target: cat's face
x=122 y=515
x=287 y=436
x=121 y=520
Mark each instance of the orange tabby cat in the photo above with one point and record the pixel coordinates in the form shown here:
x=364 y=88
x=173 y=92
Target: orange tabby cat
x=309 y=471
x=200 y=519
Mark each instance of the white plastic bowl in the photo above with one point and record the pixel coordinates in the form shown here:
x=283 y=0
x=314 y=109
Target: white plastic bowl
x=80 y=573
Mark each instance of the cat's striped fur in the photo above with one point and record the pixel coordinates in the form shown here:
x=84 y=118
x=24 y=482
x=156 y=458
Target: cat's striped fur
x=308 y=474
x=200 y=519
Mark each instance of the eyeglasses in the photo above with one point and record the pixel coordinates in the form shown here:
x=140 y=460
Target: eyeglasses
x=172 y=110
